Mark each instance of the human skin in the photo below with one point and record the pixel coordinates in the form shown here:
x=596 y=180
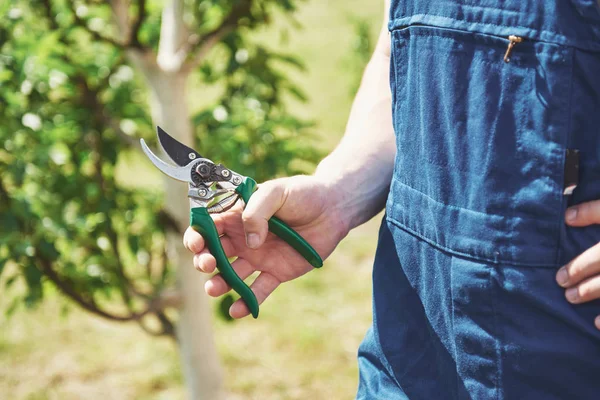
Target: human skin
x=581 y=276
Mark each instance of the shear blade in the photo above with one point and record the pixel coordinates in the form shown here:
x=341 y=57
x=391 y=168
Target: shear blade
x=177 y=151
x=183 y=173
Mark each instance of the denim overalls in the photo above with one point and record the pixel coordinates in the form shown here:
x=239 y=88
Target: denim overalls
x=465 y=302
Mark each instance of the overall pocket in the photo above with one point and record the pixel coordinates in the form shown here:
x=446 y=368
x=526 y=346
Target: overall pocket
x=481 y=142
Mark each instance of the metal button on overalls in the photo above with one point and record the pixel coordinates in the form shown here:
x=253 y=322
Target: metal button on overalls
x=465 y=302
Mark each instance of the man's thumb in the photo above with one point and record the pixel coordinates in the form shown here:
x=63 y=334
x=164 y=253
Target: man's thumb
x=265 y=202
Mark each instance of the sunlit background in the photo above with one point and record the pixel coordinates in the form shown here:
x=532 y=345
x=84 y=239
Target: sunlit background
x=82 y=213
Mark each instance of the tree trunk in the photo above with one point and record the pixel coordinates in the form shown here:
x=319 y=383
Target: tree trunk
x=198 y=353
x=167 y=82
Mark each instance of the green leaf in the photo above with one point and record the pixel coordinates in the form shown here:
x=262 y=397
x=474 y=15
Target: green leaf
x=72 y=180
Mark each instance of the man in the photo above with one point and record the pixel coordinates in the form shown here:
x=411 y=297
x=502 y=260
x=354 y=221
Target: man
x=487 y=270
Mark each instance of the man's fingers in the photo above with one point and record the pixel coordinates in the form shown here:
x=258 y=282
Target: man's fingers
x=581 y=277
x=262 y=287
x=194 y=242
x=585 y=265
x=262 y=205
x=216 y=286
x=206 y=262
x=586 y=290
x=583 y=214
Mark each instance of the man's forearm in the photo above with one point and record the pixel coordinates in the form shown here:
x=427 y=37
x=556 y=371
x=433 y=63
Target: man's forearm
x=360 y=168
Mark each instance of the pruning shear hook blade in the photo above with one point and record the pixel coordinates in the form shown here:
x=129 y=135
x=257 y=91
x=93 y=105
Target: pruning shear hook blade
x=183 y=174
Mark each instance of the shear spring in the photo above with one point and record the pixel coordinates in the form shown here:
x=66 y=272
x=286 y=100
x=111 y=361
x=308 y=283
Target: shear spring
x=223 y=204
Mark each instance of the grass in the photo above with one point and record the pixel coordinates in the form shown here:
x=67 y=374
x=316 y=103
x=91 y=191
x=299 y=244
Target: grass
x=304 y=344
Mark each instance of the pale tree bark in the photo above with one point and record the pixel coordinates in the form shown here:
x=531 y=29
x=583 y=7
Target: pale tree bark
x=167 y=81
x=194 y=328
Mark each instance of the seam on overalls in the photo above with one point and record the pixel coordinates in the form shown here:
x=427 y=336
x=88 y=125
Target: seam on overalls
x=533 y=34
x=450 y=19
x=384 y=360
x=565 y=199
x=497 y=327
x=465 y=255
x=389 y=371
x=480 y=42
x=453 y=311
x=458 y=208
x=412 y=365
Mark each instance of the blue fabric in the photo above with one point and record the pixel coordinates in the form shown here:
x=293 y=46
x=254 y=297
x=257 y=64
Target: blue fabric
x=465 y=304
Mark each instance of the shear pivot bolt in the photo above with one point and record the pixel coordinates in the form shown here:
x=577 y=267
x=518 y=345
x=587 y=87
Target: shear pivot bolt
x=203 y=170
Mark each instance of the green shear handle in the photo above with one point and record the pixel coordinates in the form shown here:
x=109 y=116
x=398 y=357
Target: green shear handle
x=202 y=222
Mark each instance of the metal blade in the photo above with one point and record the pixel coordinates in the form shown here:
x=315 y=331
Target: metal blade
x=177 y=151
x=180 y=173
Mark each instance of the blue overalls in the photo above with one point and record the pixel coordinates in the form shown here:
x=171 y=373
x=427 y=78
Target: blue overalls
x=465 y=302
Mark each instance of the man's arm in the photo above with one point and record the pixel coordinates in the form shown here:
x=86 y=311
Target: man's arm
x=362 y=164
x=348 y=188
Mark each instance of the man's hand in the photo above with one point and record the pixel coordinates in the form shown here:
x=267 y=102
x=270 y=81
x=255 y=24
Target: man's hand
x=349 y=187
x=581 y=277
x=306 y=203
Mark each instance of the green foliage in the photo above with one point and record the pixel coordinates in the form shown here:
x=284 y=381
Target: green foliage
x=250 y=129
x=65 y=216
x=71 y=105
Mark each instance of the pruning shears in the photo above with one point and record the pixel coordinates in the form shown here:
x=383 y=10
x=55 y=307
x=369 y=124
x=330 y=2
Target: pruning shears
x=213 y=188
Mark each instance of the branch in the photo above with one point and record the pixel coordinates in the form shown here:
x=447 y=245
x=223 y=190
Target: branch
x=168 y=298
x=167 y=326
x=164 y=271
x=157 y=306
x=127 y=140
x=83 y=24
x=168 y=221
x=134 y=39
x=173 y=34
x=198 y=47
x=67 y=289
x=149 y=331
x=49 y=15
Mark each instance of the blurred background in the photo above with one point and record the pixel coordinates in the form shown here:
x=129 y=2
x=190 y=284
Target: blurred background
x=97 y=298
